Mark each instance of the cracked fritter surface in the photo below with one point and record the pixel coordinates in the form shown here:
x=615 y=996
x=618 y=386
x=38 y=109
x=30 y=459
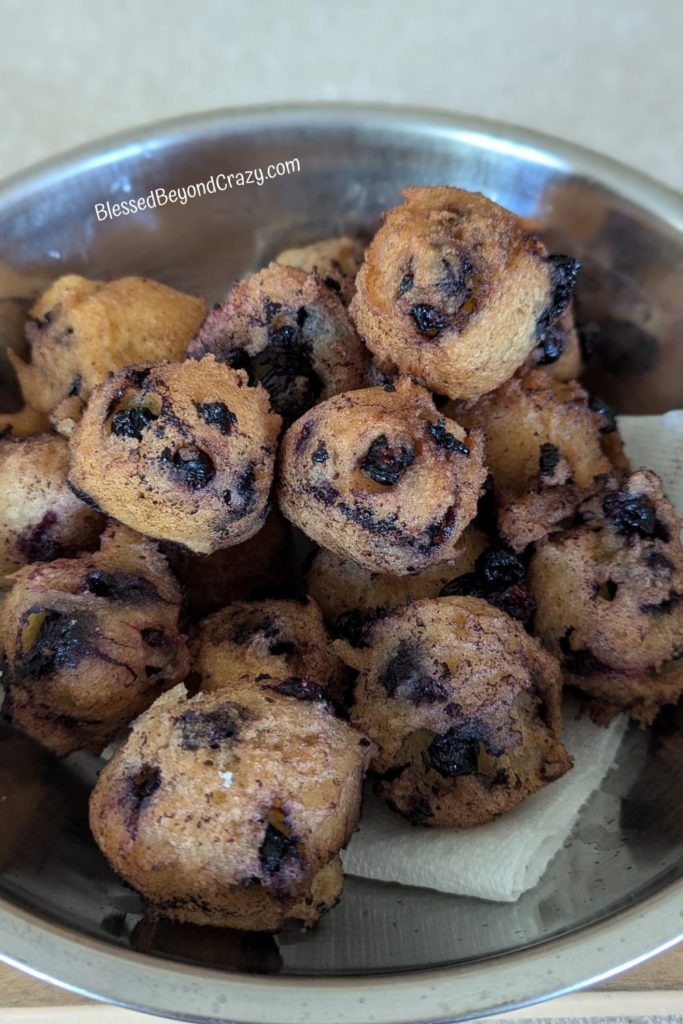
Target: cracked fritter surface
x=40 y=518
x=457 y=292
x=289 y=330
x=231 y=810
x=182 y=452
x=378 y=476
x=336 y=261
x=277 y=638
x=88 y=643
x=79 y=331
x=464 y=707
x=610 y=600
x=549 y=445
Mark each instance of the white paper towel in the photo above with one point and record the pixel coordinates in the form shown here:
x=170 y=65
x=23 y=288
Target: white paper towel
x=504 y=858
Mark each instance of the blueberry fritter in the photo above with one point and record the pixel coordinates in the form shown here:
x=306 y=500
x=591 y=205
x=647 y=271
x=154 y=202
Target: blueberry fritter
x=549 y=445
x=80 y=331
x=182 y=452
x=269 y=639
x=290 y=331
x=457 y=292
x=379 y=477
x=464 y=707
x=40 y=518
x=610 y=600
x=88 y=643
x=231 y=809
x=336 y=261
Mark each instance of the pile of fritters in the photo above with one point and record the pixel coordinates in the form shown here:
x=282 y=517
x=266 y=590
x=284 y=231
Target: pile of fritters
x=358 y=519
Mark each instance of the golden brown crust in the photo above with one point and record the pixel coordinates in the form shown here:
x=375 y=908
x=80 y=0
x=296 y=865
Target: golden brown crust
x=40 y=518
x=464 y=707
x=340 y=586
x=276 y=639
x=549 y=446
x=225 y=810
x=379 y=477
x=336 y=261
x=182 y=452
x=455 y=291
x=610 y=600
x=289 y=330
x=90 y=642
x=82 y=330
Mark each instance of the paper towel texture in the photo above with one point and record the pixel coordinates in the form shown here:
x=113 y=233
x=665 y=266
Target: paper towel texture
x=504 y=858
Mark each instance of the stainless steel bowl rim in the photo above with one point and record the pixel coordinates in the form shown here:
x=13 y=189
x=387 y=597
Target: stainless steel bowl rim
x=190 y=992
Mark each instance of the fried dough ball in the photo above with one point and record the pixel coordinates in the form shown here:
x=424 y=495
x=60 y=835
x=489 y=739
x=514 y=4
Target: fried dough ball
x=261 y=639
x=350 y=596
x=456 y=291
x=464 y=707
x=549 y=445
x=377 y=476
x=182 y=452
x=231 y=810
x=90 y=642
x=24 y=421
x=336 y=261
x=610 y=600
x=40 y=518
x=80 y=331
x=291 y=332
x=254 y=569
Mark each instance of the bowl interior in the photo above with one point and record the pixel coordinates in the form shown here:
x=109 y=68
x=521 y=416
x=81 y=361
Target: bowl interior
x=628 y=840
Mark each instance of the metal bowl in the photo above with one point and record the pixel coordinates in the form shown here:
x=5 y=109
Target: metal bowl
x=614 y=894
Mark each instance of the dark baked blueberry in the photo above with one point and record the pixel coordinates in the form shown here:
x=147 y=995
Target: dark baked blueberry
x=121 y=586
x=76 y=385
x=351 y=626
x=453 y=754
x=548 y=459
x=384 y=464
x=630 y=513
x=444 y=439
x=564 y=271
x=143 y=784
x=419 y=810
x=500 y=567
x=277 y=851
x=217 y=414
x=406 y=284
x=60 y=643
x=132 y=422
x=301 y=689
x=321 y=453
x=606 y=412
x=285 y=369
x=429 y=321
x=211 y=729
x=331 y=283
x=499 y=577
x=190 y=465
x=37 y=544
x=406 y=677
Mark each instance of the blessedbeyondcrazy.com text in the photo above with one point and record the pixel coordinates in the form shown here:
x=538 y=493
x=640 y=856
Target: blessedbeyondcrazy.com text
x=220 y=182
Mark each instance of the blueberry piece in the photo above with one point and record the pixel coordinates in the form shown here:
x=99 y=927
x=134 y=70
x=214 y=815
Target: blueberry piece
x=384 y=464
x=143 y=784
x=609 y=418
x=276 y=851
x=217 y=414
x=132 y=422
x=453 y=754
x=60 y=643
x=405 y=677
x=548 y=459
x=192 y=466
x=630 y=513
x=444 y=439
x=209 y=729
x=301 y=689
x=429 y=321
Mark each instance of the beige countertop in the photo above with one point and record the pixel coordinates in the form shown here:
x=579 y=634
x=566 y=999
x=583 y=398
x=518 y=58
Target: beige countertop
x=605 y=73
